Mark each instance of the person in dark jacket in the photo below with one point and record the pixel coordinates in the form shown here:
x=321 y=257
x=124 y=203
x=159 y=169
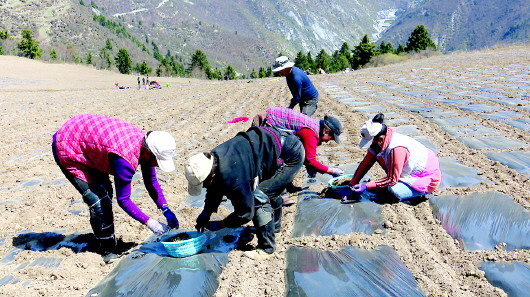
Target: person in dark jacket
x=251 y=170
x=302 y=89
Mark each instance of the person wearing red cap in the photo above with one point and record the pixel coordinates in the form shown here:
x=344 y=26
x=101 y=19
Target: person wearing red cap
x=88 y=148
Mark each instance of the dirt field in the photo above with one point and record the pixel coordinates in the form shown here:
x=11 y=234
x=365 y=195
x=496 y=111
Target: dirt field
x=37 y=98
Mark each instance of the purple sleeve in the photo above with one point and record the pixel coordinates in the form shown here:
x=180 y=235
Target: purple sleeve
x=123 y=174
x=152 y=185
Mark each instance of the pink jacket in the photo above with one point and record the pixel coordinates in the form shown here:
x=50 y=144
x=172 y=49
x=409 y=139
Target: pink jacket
x=85 y=141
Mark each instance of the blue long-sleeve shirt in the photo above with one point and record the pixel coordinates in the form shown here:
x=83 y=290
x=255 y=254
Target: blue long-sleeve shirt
x=300 y=86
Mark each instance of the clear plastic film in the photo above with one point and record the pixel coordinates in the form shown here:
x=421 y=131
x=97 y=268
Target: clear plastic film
x=348 y=272
x=512 y=278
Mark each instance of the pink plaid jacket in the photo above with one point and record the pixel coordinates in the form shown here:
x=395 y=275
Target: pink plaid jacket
x=85 y=141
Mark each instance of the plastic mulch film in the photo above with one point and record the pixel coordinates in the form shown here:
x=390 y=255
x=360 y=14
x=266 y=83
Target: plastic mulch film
x=150 y=271
x=454 y=174
x=198 y=201
x=512 y=278
x=481 y=221
x=517 y=160
x=469 y=130
x=327 y=216
x=454 y=121
x=491 y=142
x=348 y=272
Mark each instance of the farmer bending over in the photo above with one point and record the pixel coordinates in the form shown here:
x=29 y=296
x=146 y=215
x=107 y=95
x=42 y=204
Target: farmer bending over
x=88 y=148
x=251 y=170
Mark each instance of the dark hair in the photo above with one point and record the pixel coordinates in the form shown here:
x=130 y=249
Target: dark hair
x=379 y=118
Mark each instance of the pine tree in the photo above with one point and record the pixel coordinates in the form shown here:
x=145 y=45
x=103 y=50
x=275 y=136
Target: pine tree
x=29 y=46
x=363 y=53
x=123 y=61
x=200 y=61
x=301 y=61
x=323 y=60
x=230 y=73
x=419 y=40
x=253 y=74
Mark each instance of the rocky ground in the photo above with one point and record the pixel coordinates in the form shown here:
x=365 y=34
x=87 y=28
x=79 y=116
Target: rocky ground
x=36 y=98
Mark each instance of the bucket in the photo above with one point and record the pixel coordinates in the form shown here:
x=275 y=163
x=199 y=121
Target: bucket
x=340 y=190
x=186 y=247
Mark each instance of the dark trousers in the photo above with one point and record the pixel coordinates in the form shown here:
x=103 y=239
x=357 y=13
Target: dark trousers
x=292 y=155
x=98 y=197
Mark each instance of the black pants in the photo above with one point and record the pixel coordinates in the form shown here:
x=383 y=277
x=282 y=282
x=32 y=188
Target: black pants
x=292 y=155
x=98 y=197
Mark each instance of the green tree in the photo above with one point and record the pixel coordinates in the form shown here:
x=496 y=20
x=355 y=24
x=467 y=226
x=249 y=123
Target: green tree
x=419 y=40
x=89 y=58
x=1 y=50
x=53 y=54
x=363 y=52
x=262 y=72
x=105 y=57
x=310 y=61
x=29 y=46
x=200 y=61
x=123 y=61
x=345 y=51
x=301 y=61
x=108 y=44
x=144 y=69
x=339 y=62
x=323 y=60
x=400 y=49
x=254 y=74
x=230 y=73
x=4 y=35
x=386 y=48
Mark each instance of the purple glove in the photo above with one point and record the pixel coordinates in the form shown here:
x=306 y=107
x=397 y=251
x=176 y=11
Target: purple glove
x=336 y=172
x=359 y=188
x=172 y=220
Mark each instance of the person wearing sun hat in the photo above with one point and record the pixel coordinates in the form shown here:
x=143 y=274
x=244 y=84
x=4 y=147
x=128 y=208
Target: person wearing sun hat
x=88 y=148
x=251 y=170
x=412 y=169
x=302 y=89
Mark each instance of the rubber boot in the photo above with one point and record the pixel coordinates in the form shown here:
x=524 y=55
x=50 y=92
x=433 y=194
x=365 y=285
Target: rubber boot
x=277 y=204
x=266 y=237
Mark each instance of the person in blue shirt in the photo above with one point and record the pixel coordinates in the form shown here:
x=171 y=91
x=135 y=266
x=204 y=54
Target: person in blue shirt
x=304 y=92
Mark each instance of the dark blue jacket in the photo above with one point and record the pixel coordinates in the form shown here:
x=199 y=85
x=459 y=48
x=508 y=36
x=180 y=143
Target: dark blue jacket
x=300 y=86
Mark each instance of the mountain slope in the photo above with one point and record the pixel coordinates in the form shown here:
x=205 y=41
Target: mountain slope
x=464 y=24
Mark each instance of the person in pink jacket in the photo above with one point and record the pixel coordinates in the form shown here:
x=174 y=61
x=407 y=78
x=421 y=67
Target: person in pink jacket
x=88 y=148
x=412 y=169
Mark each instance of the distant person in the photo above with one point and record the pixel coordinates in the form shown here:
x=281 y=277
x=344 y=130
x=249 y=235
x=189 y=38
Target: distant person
x=312 y=132
x=302 y=89
x=143 y=81
x=138 y=82
x=412 y=169
x=88 y=148
x=251 y=170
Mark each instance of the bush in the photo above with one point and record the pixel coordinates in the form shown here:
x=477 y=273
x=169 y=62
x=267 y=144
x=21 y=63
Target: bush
x=386 y=59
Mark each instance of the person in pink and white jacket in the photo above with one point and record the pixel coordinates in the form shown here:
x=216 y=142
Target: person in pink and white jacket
x=412 y=169
x=88 y=148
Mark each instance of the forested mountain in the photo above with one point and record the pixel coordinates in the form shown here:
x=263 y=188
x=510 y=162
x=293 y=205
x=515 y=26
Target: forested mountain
x=248 y=34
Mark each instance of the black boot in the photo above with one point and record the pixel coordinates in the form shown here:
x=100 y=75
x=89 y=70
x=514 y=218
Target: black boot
x=277 y=204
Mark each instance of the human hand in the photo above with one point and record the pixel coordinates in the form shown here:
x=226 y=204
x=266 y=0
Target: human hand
x=157 y=227
x=215 y=225
x=359 y=188
x=336 y=172
x=202 y=221
x=171 y=218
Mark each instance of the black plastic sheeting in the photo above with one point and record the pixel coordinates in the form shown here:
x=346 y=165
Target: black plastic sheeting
x=480 y=221
x=454 y=174
x=512 y=278
x=348 y=272
x=150 y=271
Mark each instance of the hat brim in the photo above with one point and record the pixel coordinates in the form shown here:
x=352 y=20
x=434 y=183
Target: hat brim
x=365 y=141
x=287 y=65
x=194 y=190
x=166 y=165
x=336 y=138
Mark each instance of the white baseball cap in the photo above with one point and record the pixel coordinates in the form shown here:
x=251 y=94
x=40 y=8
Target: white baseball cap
x=368 y=131
x=196 y=171
x=163 y=146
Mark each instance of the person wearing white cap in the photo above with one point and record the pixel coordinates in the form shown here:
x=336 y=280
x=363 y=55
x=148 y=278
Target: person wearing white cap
x=251 y=170
x=88 y=148
x=412 y=169
x=302 y=89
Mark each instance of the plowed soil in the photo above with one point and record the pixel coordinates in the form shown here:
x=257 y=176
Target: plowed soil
x=37 y=98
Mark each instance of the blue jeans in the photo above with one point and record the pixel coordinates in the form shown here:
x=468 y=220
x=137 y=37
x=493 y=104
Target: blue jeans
x=398 y=192
x=403 y=191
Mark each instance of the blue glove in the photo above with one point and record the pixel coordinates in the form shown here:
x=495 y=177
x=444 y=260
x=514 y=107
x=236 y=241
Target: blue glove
x=215 y=225
x=359 y=188
x=172 y=220
x=202 y=221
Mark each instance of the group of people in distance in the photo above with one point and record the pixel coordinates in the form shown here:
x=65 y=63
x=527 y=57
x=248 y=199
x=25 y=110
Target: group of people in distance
x=252 y=169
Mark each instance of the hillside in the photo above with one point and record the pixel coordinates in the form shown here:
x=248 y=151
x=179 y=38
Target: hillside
x=459 y=25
